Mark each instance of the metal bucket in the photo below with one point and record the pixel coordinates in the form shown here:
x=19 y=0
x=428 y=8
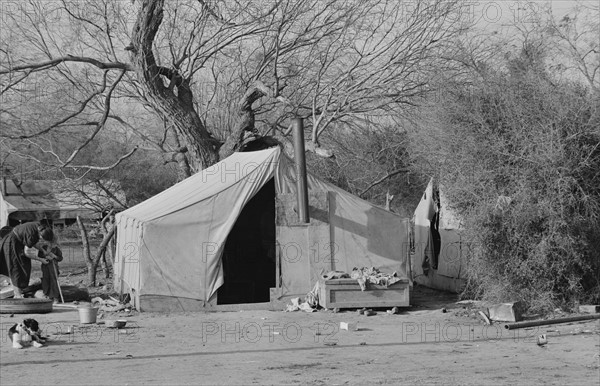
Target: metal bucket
x=87 y=315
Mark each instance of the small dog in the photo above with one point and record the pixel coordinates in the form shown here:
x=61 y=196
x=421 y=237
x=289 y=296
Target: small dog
x=26 y=332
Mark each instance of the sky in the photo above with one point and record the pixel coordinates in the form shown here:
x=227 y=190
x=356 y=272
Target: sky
x=494 y=13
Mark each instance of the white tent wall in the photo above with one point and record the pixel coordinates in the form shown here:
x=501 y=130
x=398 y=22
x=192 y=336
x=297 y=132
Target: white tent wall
x=179 y=234
x=169 y=247
x=362 y=234
x=183 y=250
x=127 y=259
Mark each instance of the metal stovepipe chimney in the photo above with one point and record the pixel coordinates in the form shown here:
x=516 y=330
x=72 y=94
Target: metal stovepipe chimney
x=300 y=159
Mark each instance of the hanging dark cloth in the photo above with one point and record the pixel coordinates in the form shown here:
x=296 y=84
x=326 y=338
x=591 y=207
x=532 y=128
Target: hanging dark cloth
x=436 y=238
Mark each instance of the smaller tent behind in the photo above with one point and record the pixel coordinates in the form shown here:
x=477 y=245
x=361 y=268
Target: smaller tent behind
x=60 y=201
x=439 y=259
x=174 y=250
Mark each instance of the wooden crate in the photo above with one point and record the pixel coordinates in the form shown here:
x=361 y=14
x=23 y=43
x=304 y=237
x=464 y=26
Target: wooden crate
x=346 y=293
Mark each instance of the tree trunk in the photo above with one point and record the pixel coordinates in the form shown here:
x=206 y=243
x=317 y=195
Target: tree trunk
x=112 y=248
x=106 y=258
x=101 y=251
x=244 y=130
x=91 y=270
x=177 y=106
x=92 y=264
x=104 y=265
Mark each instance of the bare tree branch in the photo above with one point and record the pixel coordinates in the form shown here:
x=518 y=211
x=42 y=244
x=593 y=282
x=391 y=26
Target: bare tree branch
x=382 y=179
x=69 y=58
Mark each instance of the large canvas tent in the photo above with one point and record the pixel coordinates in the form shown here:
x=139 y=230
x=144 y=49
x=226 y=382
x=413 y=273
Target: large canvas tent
x=230 y=234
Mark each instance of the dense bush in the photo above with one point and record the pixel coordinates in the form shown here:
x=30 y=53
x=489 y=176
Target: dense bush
x=522 y=133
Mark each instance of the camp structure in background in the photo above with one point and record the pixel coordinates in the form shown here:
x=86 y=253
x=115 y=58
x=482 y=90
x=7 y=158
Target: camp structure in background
x=59 y=201
x=439 y=252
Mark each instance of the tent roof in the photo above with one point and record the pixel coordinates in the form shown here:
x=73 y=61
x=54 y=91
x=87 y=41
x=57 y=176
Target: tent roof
x=201 y=186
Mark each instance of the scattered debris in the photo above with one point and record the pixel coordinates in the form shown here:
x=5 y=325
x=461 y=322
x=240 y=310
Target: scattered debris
x=6 y=289
x=469 y=302
x=506 y=312
x=349 y=326
x=109 y=305
x=589 y=309
x=542 y=340
x=485 y=318
x=297 y=306
x=109 y=323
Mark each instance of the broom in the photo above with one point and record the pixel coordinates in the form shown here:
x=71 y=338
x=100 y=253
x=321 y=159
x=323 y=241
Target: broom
x=57 y=282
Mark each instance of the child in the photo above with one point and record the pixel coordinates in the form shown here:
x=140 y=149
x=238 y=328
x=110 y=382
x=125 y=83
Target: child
x=50 y=272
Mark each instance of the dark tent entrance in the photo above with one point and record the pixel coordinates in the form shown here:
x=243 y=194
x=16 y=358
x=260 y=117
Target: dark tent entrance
x=249 y=254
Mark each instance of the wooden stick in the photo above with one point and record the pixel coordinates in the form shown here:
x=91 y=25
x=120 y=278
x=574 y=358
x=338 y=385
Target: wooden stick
x=57 y=282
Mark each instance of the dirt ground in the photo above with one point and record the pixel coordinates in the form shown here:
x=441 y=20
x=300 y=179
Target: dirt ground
x=421 y=345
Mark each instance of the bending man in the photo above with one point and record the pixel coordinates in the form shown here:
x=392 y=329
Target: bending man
x=12 y=251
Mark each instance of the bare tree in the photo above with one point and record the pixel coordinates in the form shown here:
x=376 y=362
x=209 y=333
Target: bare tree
x=577 y=37
x=327 y=60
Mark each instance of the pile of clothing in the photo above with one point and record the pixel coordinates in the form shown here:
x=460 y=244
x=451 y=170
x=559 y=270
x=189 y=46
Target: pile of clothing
x=364 y=276
x=371 y=275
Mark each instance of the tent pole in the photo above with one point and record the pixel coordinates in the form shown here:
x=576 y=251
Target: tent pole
x=300 y=158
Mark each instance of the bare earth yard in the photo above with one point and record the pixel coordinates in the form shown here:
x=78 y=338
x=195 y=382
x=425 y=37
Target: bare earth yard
x=422 y=345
